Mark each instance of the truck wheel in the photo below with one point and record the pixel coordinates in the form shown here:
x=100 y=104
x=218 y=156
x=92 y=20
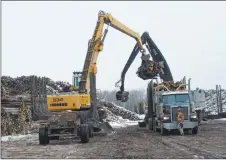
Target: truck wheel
x=142 y=124
x=84 y=133
x=195 y=130
x=162 y=131
x=90 y=130
x=43 y=136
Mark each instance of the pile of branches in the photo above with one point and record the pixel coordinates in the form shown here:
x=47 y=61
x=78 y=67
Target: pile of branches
x=118 y=111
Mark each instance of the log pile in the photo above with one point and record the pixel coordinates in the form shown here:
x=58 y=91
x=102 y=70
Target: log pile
x=21 y=85
x=15 y=124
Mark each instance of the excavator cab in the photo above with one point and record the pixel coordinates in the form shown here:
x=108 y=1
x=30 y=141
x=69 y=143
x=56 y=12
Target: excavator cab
x=76 y=78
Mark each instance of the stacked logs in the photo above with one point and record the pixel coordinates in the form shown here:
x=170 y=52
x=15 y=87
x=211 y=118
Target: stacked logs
x=15 y=124
x=22 y=84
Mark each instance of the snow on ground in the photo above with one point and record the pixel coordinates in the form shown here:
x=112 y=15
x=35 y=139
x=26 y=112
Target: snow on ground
x=17 y=137
x=222 y=119
x=122 y=123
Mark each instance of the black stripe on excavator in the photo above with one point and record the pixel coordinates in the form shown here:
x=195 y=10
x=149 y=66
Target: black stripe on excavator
x=58 y=104
x=156 y=55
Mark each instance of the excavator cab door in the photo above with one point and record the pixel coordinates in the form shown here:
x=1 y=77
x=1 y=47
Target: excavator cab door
x=76 y=79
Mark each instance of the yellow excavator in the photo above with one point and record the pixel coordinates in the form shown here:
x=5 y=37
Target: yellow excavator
x=83 y=97
x=81 y=80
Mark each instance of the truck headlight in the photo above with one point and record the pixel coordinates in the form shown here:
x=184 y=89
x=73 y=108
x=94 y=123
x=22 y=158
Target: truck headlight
x=165 y=118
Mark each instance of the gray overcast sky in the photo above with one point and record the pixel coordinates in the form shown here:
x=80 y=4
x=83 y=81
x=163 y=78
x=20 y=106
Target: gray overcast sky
x=50 y=39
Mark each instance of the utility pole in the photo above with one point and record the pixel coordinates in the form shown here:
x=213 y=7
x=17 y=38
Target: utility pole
x=217 y=98
x=220 y=99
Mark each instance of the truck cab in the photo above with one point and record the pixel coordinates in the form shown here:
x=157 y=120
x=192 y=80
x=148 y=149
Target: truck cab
x=172 y=101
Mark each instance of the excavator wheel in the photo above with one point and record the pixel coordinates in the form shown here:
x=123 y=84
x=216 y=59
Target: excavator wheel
x=84 y=133
x=90 y=130
x=43 y=136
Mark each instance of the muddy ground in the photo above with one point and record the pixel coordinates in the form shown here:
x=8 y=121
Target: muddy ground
x=129 y=142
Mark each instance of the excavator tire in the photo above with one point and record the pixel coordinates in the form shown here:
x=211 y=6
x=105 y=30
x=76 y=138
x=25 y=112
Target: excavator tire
x=43 y=136
x=84 y=133
x=90 y=130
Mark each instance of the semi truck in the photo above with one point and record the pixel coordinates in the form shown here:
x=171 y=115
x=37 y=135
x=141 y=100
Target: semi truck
x=170 y=96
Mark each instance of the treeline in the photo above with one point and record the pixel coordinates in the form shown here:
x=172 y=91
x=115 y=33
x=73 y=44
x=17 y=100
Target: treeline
x=135 y=97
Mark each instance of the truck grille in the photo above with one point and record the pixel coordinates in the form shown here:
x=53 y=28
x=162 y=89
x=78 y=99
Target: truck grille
x=184 y=110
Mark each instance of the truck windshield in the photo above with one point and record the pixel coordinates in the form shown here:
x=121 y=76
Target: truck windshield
x=175 y=98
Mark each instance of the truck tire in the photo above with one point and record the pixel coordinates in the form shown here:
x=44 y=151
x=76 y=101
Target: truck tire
x=84 y=133
x=43 y=136
x=195 y=130
x=142 y=124
x=163 y=131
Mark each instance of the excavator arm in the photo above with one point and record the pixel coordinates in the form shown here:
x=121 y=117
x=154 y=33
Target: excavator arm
x=157 y=56
x=95 y=45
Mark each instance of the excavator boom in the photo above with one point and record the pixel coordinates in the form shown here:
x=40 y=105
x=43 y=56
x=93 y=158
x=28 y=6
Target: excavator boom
x=96 y=45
